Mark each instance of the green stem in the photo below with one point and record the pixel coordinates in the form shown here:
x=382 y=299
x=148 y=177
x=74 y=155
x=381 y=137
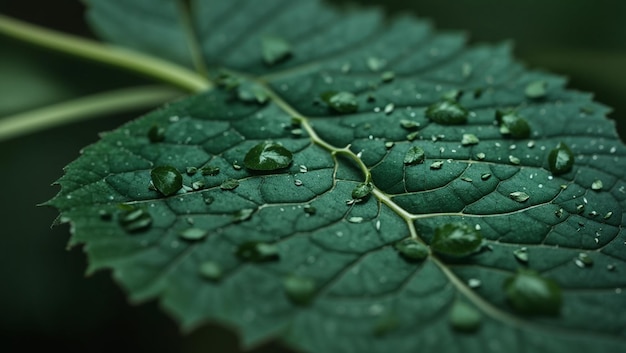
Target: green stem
x=85 y=108
x=105 y=53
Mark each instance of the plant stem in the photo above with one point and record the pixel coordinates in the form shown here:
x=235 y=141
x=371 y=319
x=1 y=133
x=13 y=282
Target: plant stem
x=105 y=53
x=84 y=108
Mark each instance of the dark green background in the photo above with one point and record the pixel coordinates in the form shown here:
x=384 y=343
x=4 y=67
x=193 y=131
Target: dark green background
x=45 y=298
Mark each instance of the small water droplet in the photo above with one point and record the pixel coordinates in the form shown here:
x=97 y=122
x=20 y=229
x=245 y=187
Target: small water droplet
x=583 y=260
x=447 y=112
x=243 y=215
x=456 y=239
x=560 y=159
x=411 y=249
x=608 y=215
x=512 y=125
x=558 y=213
x=210 y=170
x=156 y=134
x=298 y=182
x=531 y=294
x=362 y=190
x=480 y=156
x=485 y=176
x=387 y=76
x=464 y=317
x=303 y=169
x=376 y=64
x=275 y=49
x=466 y=179
x=436 y=165
x=254 y=251
x=474 y=283
x=210 y=270
x=355 y=219
x=409 y=124
x=341 y=102
x=521 y=254
x=536 y=90
x=597 y=185
x=229 y=184
x=167 y=180
x=514 y=160
x=300 y=290
x=414 y=155
x=469 y=139
x=135 y=219
x=519 y=196
x=193 y=233
x=310 y=210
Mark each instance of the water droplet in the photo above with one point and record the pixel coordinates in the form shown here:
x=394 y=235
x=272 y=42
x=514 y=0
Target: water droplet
x=197 y=185
x=466 y=179
x=254 y=251
x=521 y=255
x=560 y=159
x=583 y=260
x=229 y=184
x=608 y=215
x=341 y=102
x=485 y=176
x=558 y=213
x=474 y=283
x=378 y=225
x=512 y=125
x=300 y=290
x=362 y=190
x=411 y=249
x=267 y=156
x=310 y=210
x=243 y=215
x=469 y=139
x=597 y=185
x=389 y=108
x=210 y=270
x=135 y=219
x=530 y=144
x=191 y=170
x=610 y=267
x=529 y=293
x=298 y=182
x=447 y=112
x=249 y=91
x=436 y=165
x=193 y=233
x=456 y=239
x=355 y=219
x=409 y=124
x=376 y=64
x=519 y=196
x=464 y=317
x=480 y=156
x=275 y=49
x=387 y=76
x=536 y=90
x=415 y=155
x=389 y=144
x=166 y=179
x=156 y=134
x=514 y=160
x=303 y=169
x=105 y=215
x=412 y=136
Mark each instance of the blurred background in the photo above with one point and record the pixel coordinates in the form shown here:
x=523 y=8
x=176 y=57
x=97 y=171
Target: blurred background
x=45 y=298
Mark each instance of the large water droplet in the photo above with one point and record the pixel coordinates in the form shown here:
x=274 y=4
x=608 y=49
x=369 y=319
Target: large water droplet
x=464 y=317
x=135 y=220
x=447 y=112
x=266 y=156
x=411 y=249
x=560 y=159
x=415 y=155
x=166 y=179
x=529 y=293
x=275 y=49
x=300 y=290
x=254 y=251
x=456 y=239
x=341 y=102
x=513 y=125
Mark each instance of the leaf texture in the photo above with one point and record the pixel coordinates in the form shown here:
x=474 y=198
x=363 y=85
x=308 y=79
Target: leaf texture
x=327 y=277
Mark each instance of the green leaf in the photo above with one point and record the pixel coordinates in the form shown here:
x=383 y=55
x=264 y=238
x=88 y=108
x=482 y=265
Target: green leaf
x=291 y=255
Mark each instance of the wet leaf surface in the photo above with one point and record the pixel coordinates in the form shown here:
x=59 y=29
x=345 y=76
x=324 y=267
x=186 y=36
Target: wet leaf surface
x=289 y=254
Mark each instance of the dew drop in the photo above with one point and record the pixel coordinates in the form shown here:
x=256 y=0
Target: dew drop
x=341 y=102
x=529 y=293
x=310 y=210
x=254 y=251
x=229 y=184
x=387 y=76
x=514 y=160
x=167 y=180
x=156 y=134
x=512 y=125
x=411 y=249
x=267 y=156
x=135 y=220
x=376 y=64
x=485 y=176
x=456 y=239
x=583 y=260
x=469 y=139
x=436 y=165
x=415 y=155
x=519 y=196
x=193 y=233
x=597 y=185
x=474 y=283
x=521 y=255
x=243 y=215
x=409 y=124
x=210 y=170
x=275 y=49
x=210 y=270
x=536 y=90
x=560 y=159
x=464 y=317
x=447 y=112
x=480 y=156
x=362 y=190
x=389 y=108
x=300 y=290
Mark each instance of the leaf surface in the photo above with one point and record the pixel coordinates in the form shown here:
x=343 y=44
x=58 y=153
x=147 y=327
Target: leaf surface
x=287 y=253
